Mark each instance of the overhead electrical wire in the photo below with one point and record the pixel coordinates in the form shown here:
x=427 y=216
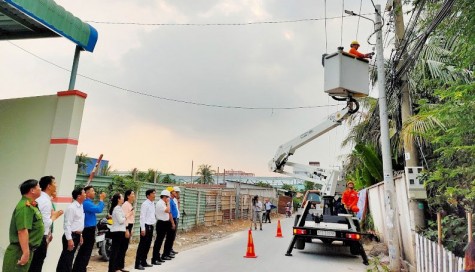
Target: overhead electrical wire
x=326 y=35
x=342 y=15
x=171 y=99
x=217 y=24
x=358 y=25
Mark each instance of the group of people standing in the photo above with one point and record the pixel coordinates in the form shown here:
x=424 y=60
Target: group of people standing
x=257 y=212
x=163 y=216
x=32 y=224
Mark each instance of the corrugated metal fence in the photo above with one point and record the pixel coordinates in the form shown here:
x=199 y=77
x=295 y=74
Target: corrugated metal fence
x=434 y=258
x=197 y=206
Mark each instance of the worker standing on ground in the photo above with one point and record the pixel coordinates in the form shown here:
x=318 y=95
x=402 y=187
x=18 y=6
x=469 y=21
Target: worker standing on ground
x=164 y=225
x=175 y=211
x=354 y=51
x=256 y=212
x=350 y=197
x=268 y=205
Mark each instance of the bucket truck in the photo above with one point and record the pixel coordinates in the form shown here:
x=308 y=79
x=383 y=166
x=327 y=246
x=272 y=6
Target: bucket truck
x=326 y=220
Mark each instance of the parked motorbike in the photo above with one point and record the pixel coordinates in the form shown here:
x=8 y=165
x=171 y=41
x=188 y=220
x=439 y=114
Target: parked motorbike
x=103 y=239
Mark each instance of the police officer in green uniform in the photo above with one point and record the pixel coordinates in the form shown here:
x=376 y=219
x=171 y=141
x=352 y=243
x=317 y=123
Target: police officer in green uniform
x=26 y=229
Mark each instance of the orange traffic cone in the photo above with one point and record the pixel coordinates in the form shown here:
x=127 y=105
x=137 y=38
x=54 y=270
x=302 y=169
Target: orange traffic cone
x=279 y=230
x=250 y=253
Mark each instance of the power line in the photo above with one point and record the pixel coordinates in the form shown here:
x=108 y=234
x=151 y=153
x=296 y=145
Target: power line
x=342 y=15
x=218 y=24
x=167 y=98
x=326 y=36
x=358 y=25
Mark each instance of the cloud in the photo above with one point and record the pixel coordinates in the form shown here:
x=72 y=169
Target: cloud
x=264 y=65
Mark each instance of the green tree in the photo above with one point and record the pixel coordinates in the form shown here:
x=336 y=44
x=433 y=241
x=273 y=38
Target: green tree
x=263 y=184
x=288 y=187
x=205 y=174
x=82 y=160
x=167 y=179
x=309 y=185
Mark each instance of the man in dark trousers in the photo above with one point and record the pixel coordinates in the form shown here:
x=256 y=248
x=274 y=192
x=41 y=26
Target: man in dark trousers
x=89 y=232
x=48 y=189
x=147 y=220
x=26 y=229
x=73 y=227
x=164 y=225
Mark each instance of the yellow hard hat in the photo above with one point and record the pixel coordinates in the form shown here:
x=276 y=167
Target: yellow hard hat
x=348 y=183
x=355 y=43
x=170 y=189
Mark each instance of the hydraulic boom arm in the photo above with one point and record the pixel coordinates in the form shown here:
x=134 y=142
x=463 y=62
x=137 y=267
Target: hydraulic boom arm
x=279 y=161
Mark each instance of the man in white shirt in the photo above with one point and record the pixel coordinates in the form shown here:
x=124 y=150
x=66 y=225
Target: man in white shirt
x=268 y=205
x=147 y=220
x=48 y=188
x=164 y=224
x=73 y=227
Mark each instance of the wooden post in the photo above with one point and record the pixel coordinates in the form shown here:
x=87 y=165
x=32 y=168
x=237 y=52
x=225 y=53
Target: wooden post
x=198 y=208
x=216 y=210
x=469 y=220
x=439 y=228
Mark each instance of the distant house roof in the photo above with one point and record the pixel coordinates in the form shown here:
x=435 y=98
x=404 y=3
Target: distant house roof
x=26 y=19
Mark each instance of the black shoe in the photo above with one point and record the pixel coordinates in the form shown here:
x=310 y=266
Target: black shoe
x=147 y=265
x=171 y=255
x=174 y=252
x=166 y=258
x=139 y=267
x=160 y=260
x=156 y=263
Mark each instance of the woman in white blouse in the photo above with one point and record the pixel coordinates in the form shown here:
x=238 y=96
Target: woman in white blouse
x=117 y=232
x=128 y=209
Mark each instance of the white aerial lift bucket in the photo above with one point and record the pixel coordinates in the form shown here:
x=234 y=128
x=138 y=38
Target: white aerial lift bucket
x=346 y=74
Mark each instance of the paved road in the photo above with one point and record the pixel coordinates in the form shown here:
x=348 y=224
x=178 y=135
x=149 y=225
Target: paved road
x=227 y=255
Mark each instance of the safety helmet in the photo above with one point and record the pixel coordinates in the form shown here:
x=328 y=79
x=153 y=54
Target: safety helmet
x=176 y=189
x=170 y=189
x=165 y=193
x=348 y=183
x=355 y=43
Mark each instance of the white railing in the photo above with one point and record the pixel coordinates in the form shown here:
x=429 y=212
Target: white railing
x=432 y=257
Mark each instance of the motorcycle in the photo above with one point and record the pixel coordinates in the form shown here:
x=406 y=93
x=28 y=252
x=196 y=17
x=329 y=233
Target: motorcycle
x=103 y=239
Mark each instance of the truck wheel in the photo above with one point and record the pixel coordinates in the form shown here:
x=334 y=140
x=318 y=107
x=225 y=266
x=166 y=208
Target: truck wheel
x=300 y=243
x=327 y=241
x=297 y=218
x=355 y=249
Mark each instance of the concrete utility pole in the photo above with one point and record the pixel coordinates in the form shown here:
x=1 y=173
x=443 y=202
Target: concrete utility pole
x=389 y=199
x=416 y=208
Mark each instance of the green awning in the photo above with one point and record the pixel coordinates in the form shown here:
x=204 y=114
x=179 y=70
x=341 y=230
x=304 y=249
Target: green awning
x=26 y=19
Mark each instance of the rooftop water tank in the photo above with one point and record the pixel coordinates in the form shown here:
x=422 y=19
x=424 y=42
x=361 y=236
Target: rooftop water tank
x=345 y=74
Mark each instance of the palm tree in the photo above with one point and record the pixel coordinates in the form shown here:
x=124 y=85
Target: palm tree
x=206 y=174
x=82 y=160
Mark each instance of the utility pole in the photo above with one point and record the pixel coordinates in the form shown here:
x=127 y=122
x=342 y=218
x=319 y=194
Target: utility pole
x=416 y=208
x=389 y=199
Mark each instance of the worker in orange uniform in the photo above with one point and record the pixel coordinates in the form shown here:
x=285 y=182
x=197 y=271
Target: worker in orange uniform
x=350 y=197
x=354 y=51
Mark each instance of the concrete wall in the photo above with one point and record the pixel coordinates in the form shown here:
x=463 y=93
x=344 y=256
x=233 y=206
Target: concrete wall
x=376 y=206
x=39 y=136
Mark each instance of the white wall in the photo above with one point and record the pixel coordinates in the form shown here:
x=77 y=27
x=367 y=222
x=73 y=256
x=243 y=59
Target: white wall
x=376 y=206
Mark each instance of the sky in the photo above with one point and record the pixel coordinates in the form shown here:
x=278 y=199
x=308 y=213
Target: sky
x=272 y=65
